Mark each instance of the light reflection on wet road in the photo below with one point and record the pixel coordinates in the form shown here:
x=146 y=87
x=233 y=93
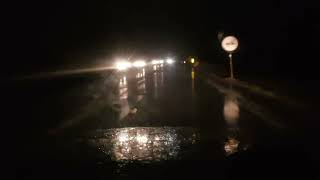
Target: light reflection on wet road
x=145 y=144
x=156 y=113
x=167 y=96
x=231 y=112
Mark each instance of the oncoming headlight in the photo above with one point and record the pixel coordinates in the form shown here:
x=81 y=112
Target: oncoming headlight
x=170 y=61
x=123 y=65
x=139 y=63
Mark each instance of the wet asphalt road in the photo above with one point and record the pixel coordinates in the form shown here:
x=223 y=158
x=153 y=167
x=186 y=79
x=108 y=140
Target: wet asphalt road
x=157 y=121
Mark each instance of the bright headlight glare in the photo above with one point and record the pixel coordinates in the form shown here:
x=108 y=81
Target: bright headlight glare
x=170 y=61
x=155 y=62
x=123 y=65
x=139 y=63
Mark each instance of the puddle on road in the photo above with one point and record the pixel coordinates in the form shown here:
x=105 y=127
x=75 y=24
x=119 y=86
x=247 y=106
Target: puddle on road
x=144 y=144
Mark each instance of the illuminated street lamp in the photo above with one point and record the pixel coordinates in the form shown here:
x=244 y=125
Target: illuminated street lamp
x=192 y=60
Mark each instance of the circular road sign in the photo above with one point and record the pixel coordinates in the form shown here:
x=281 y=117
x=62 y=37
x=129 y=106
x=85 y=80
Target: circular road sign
x=230 y=44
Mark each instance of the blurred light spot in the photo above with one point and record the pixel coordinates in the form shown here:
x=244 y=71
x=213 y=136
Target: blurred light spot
x=156 y=61
x=142 y=138
x=192 y=82
x=231 y=110
x=192 y=74
x=123 y=65
x=170 y=61
x=123 y=137
x=139 y=63
x=231 y=146
x=124 y=80
x=123 y=89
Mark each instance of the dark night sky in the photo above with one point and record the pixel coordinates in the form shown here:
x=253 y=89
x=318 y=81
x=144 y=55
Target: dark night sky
x=55 y=34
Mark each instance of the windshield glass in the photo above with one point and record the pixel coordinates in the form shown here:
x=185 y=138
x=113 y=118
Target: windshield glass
x=114 y=89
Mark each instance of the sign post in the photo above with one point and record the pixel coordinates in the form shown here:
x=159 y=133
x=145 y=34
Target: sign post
x=231 y=66
x=230 y=44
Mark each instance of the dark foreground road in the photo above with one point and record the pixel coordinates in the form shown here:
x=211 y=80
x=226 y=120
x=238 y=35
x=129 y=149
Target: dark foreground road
x=164 y=121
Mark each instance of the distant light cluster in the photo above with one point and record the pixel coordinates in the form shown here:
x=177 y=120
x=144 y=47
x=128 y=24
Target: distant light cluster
x=122 y=64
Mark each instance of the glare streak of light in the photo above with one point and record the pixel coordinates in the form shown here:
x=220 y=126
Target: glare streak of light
x=155 y=62
x=138 y=75
x=123 y=65
x=231 y=109
x=155 y=80
x=192 y=81
x=139 y=63
x=123 y=89
x=65 y=73
x=124 y=80
x=143 y=72
x=161 y=78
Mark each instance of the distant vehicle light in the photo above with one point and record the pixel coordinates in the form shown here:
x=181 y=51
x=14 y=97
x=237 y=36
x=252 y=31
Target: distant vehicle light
x=154 y=62
x=184 y=62
x=161 y=61
x=139 y=63
x=170 y=61
x=123 y=65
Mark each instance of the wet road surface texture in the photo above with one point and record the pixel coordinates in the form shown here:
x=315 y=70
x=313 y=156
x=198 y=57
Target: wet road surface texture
x=152 y=122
